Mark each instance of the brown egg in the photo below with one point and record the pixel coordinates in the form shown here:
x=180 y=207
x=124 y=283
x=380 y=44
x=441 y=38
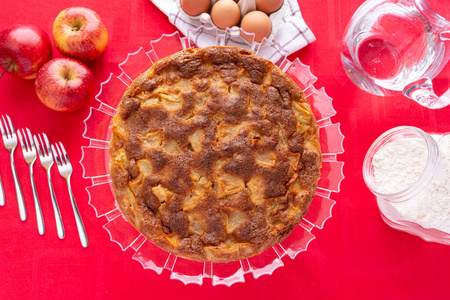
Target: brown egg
x=195 y=7
x=225 y=13
x=258 y=23
x=268 y=6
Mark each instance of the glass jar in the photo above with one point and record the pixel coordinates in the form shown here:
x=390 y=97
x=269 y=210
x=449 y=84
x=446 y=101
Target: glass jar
x=398 y=46
x=407 y=209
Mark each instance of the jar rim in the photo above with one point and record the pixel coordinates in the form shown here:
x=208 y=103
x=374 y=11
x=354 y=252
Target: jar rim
x=421 y=181
x=424 y=7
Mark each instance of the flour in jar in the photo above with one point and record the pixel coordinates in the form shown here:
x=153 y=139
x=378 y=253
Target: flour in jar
x=398 y=164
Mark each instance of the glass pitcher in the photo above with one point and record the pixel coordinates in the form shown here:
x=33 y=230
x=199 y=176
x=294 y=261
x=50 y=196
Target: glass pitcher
x=393 y=46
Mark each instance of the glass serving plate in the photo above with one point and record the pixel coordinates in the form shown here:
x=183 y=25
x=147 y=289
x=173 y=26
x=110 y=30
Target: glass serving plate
x=95 y=161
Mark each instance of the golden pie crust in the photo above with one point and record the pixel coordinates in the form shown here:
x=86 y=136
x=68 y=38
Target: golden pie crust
x=215 y=154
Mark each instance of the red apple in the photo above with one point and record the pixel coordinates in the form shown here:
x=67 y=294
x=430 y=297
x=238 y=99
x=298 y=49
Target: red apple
x=64 y=84
x=79 y=32
x=24 y=49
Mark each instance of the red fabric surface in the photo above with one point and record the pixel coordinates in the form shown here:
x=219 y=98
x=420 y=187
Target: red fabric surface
x=355 y=256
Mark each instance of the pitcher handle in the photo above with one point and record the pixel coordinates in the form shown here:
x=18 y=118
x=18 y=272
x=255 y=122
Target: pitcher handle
x=422 y=92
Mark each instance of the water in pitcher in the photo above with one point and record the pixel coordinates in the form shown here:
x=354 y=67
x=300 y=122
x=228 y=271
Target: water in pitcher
x=392 y=47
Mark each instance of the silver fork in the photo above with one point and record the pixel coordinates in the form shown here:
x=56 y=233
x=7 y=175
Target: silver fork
x=10 y=140
x=65 y=169
x=46 y=158
x=30 y=155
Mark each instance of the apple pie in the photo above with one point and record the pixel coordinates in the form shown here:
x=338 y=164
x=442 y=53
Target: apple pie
x=215 y=154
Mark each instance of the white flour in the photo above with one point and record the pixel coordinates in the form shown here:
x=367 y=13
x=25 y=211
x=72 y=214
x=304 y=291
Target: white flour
x=399 y=164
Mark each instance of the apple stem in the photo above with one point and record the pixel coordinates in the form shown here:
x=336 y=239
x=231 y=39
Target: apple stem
x=67 y=84
x=9 y=66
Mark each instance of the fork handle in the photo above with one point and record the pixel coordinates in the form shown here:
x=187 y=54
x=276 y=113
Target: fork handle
x=59 y=223
x=79 y=221
x=2 y=193
x=20 y=201
x=37 y=204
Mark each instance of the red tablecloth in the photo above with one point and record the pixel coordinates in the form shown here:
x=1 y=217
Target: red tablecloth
x=355 y=256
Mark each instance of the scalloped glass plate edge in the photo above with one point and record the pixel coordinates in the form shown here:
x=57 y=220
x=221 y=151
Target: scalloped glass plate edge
x=101 y=196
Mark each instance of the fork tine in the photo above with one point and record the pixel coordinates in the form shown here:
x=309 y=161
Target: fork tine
x=66 y=157
x=30 y=139
x=1 y=127
x=61 y=156
x=47 y=144
x=45 y=150
x=25 y=140
x=6 y=129
x=11 y=125
x=55 y=155
x=22 y=144
x=38 y=146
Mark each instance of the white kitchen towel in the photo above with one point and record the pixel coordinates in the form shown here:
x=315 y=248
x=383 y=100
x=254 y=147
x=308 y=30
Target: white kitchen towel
x=292 y=34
